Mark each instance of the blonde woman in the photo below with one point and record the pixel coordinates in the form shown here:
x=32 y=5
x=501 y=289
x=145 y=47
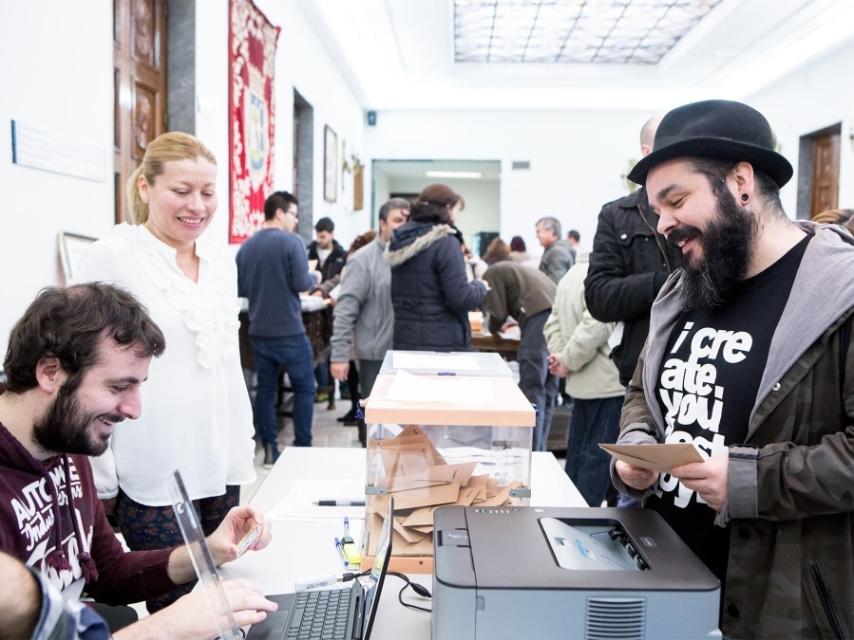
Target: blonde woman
x=197 y=416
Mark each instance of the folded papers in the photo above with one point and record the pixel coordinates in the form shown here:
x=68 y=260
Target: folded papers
x=421 y=481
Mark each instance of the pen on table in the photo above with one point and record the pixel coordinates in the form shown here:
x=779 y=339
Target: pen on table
x=340 y=548
x=333 y=502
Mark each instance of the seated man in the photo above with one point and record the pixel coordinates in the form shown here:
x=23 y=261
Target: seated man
x=74 y=365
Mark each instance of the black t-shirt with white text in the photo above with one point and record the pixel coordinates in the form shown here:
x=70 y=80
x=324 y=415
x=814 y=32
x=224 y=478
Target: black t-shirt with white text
x=706 y=388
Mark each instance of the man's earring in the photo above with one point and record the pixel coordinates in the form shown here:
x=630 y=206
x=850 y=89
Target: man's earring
x=745 y=198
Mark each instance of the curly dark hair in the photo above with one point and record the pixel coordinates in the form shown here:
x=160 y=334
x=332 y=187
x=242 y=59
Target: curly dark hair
x=68 y=324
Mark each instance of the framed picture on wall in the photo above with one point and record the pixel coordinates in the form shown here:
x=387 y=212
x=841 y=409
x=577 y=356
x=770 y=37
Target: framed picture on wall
x=72 y=246
x=330 y=164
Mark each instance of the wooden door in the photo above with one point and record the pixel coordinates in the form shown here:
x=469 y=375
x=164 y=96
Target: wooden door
x=825 y=173
x=139 y=55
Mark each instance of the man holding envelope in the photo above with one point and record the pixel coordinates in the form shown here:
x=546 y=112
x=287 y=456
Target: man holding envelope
x=748 y=360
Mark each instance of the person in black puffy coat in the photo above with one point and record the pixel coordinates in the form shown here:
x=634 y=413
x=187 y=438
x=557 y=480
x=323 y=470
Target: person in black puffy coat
x=429 y=289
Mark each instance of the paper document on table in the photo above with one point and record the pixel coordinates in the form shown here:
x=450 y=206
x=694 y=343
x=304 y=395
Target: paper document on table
x=512 y=333
x=656 y=457
x=408 y=387
x=302 y=500
x=434 y=362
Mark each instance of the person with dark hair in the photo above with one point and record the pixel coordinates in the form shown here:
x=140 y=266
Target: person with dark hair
x=282 y=208
x=750 y=358
x=272 y=270
x=497 y=251
x=430 y=293
x=189 y=285
x=557 y=254
x=629 y=263
x=364 y=317
x=519 y=252
x=526 y=295
x=330 y=256
x=573 y=239
x=75 y=365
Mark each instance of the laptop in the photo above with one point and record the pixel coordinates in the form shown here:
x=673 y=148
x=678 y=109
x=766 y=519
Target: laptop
x=323 y=614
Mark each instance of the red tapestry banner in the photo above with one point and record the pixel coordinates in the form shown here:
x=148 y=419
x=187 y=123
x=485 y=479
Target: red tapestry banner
x=251 y=73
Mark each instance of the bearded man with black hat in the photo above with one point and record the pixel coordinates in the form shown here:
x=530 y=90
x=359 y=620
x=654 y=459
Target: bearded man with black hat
x=749 y=357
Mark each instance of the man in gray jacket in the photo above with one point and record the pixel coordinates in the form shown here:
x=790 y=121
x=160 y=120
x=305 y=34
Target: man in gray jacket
x=364 y=318
x=558 y=256
x=749 y=358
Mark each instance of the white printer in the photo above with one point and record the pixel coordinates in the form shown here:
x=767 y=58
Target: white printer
x=557 y=573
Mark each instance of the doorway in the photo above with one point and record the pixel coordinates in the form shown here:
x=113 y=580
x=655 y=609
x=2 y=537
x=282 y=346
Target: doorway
x=477 y=181
x=818 y=171
x=303 y=163
x=139 y=76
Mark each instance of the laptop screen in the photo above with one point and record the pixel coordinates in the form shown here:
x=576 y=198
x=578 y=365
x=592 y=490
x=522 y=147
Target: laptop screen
x=378 y=572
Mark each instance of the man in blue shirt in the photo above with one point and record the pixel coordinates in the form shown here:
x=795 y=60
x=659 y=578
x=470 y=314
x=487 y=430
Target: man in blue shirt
x=272 y=270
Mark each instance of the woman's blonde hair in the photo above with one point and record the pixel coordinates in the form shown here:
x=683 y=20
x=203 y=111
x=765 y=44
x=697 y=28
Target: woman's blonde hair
x=174 y=145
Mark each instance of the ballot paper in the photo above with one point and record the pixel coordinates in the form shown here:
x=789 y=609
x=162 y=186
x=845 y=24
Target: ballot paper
x=656 y=457
x=302 y=500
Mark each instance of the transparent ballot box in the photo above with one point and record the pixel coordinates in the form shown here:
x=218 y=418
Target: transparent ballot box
x=436 y=440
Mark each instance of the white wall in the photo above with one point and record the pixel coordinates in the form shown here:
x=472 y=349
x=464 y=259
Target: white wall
x=66 y=87
x=576 y=158
x=482 y=198
x=810 y=99
x=301 y=63
x=57 y=81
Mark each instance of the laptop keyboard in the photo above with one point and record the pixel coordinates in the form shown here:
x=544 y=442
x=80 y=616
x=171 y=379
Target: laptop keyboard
x=320 y=615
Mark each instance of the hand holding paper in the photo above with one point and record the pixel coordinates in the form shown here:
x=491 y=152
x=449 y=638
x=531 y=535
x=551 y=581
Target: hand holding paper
x=655 y=457
x=708 y=479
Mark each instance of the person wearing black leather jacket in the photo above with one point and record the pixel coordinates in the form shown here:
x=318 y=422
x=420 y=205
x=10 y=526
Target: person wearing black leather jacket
x=629 y=264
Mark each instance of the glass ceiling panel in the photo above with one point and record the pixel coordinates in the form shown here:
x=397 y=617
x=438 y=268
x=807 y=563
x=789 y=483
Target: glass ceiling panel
x=572 y=31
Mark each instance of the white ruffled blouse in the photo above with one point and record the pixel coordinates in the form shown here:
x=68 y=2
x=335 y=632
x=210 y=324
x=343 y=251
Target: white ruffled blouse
x=196 y=416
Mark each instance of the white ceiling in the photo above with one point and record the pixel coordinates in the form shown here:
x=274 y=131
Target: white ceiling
x=399 y=54
x=572 y=31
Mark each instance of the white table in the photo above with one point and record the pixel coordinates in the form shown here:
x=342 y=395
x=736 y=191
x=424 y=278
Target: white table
x=303 y=548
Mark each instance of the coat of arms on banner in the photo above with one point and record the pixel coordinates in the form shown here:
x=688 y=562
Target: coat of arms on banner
x=252 y=63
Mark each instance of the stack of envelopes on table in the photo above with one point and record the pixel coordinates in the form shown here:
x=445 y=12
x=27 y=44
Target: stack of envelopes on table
x=421 y=481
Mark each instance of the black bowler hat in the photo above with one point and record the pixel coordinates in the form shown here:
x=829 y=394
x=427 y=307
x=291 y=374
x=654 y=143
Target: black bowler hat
x=715 y=129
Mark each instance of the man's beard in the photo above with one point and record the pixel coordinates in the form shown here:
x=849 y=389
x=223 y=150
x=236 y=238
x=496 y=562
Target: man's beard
x=726 y=243
x=64 y=427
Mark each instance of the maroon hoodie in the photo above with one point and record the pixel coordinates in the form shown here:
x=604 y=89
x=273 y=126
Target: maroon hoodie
x=39 y=527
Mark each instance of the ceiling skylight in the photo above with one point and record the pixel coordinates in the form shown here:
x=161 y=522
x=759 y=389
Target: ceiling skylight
x=572 y=31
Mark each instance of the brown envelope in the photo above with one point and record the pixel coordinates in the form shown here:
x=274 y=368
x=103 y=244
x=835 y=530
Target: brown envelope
x=478 y=481
x=420 y=517
x=407 y=534
x=655 y=457
x=427 y=497
x=491 y=487
x=500 y=498
x=468 y=494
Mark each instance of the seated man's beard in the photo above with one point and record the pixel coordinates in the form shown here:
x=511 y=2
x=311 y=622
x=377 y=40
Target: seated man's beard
x=64 y=428
x=726 y=244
